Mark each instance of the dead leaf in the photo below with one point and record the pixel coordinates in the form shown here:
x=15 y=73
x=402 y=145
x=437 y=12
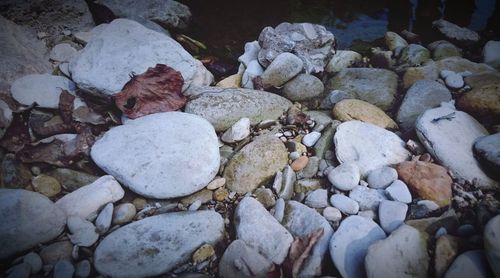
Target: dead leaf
x=299 y=251
x=159 y=89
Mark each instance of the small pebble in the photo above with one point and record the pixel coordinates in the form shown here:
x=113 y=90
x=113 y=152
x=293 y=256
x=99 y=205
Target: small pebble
x=83 y=232
x=445 y=73
x=22 y=270
x=382 y=177
x=287 y=134
x=344 y=204
x=454 y=81
x=63 y=269
x=392 y=214
x=36 y=170
x=317 y=198
x=46 y=185
x=332 y=214
x=398 y=191
x=265 y=196
x=299 y=163
x=103 y=221
x=216 y=183
x=139 y=203
x=293 y=155
x=83 y=269
x=441 y=232
x=123 y=213
x=466 y=230
x=345 y=177
x=279 y=209
x=195 y=205
x=203 y=253
x=34 y=260
x=310 y=139
x=220 y=194
x=370 y=214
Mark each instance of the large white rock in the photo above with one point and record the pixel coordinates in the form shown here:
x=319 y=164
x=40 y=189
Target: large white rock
x=402 y=254
x=88 y=199
x=260 y=230
x=162 y=155
x=368 y=146
x=44 y=89
x=491 y=52
x=156 y=244
x=492 y=244
x=125 y=46
x=301 y=221
x=27 y=219
x=449 y=136
x=350 y=243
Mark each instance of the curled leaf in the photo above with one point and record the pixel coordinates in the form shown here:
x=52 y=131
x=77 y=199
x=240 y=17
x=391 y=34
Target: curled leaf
x=299 y=251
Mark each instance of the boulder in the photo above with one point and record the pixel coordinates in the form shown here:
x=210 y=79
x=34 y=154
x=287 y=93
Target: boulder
x=453 y=32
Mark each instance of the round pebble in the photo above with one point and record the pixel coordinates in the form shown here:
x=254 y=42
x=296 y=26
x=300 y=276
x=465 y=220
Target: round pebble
x=332 y=214
x=195 y=205
x=63 y=269
x=344 y=204
x=398 y=191
x=382 y=177
x=216 y=183
x=293 y=155
x=220 y=194
x=310 y=139
x=83 y=269
x=46 y=185
x=300 y=163
x=440 y=232
x=454 y=81
x=345 y=177
x=139 y=203
x=123 y=213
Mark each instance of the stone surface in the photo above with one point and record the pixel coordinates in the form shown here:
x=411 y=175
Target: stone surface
x=34 y=261
x=46 y=185
x=157 y=244
x=28 y=219
x=382 y=177
x=265 y=196
x=311 y=138
x=345 y=176
x=83 y=232
x=83 y=269
x=312 y=43
x=392 y=214
x=159 y=163
x=427 y=180
x=454 y=81
x=303 y=87
x=398 y=191
x=237 y=132
x=375 y=86
x=450 y=141
x=350 y=243
x=492 y=243
x=341 y=60
x=414 y=55
x=44 y=89
x=70 y=179
x=469 y=264
x=255 y=164
x=456 y=33
x=86 y=201
x=368 y=146
x=367 y=198
x=481 y=101
x=354 y=109
x=120 y=48
x=335 y=97
x=490 y=53
x=282 y=69
x=344 y=204
x=6 y=117
x=487 y=151
x=394 y=41
x=446 y=252
x=459 y=64
x=240 y=260
x=260 y=230
x=301 y=221
x=253 y=70
x=62 y=52
x=251 y=51
x=444 y=49
x=422 y=95
x=224 y=107
x=402 y=254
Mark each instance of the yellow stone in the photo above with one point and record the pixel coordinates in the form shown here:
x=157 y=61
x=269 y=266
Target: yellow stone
x=355 y=109
x=203 y=253
x=46 y=185
x=232 y=81
x=220 y=194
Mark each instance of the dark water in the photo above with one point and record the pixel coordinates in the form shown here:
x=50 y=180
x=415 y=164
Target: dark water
x=225 y=25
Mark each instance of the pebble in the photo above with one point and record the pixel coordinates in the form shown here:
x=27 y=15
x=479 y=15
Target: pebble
x=216 y=183
x=317 y=198
x=367 y=198
x=466 y=230
x=344 y=204
x=469 y=264
x=370 y=214
x=311 y=138
x=34 y=261
x=345 y=177
x=392 y=214
x=83 y=269
x=265 y=196
x=279 y=209
x=382 y=177
x=283 y=68
x=398 y=191
x=62 y=52
x=83 y=232
x=440 y=232
x=22 y=270
x=139 y=203
x=103 y=221
x=44 y=89
x=294 y=155
x=311 y=168
x=332 y=214
x=195 y=205
x=203 y=253
x=454 y=81
x=63 y=269
x=237 y=132
x=59 y=250
x=220 y=194
x=241 y=260
x=123 y=213
x=299 y=163
x=46 y=185
x=445 y=252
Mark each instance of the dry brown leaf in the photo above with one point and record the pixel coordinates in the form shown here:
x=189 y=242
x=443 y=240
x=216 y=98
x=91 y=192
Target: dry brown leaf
x=299 y=251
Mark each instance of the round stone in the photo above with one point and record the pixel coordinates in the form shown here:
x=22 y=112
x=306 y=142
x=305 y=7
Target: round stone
x=344 y=177
x=332 y=214
x=46 y=185
x=123 y=213
x=344 y=204
x=382 y=177
x=300 y=163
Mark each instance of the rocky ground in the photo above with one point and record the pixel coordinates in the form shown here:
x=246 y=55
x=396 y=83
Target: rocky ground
x=122 y=156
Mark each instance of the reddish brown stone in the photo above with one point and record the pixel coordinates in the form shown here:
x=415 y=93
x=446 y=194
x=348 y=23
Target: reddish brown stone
x=300 y=163
x=427 y=180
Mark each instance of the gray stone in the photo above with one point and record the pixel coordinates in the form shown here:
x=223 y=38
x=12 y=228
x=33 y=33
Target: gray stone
x=71 y=180
x=311 y=138
x=394 y=41
x=260 y=230
x=402 y=254
x=459 y=64
x=34 y=261
x=301 y=221
x=312 y=43
x=224 y=107
x=303 y=87
x=334 y=97
x=240 y=260
x=306 y=185
x=123 y=213
x=279 y=209
x=456 y=33
x=382 y=177
x=492 y=244
x=21 y=270
x=125 y=46
x=454 y=81
x=490 y=54
x=350 y=243
x=332 y=214
x=469 y=264
x=83 y=232
x=283 y=68
x=253 y=70
x=445 y=252
x=157 y=244
x=344 y=204
x=251 y=51
x=28 y=219
x=448 y=135
x=6 y=117
x=341 y=60
x=103 y=221
x=170 y=14
x=317 y=198
x=487 y=150
x=63 y=269
x=159 y=163
x=14 y=174
x=62 y=52
x=392 y=214
x=444 y=49
x=368 y=146
x=345 y=176
x=325 y=142
x=59 y=250
x=255 y=164
x=375 y=86
x=237 y=132
x=398 y=191
x=367 y=198
x=44 y=89
x=265 y=196
x=414 y=55
x=311 y=168
x=82 y=269
x=422 y=95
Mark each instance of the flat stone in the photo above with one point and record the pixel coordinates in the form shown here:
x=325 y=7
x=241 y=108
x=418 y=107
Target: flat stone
x=303 y=87
x=355 y=109
x=382 y=177
x=398 y=191
x=368 y=146
x=237 y=132
x=317 y=198
x=469 y=264
x=342 y=59
x=255 y=164
x=344 y=204
x=224 y=107
x=367 y=198
x=490 y=53
x=288 y=182
x=450 y=140
x=392 y=214
x=240 y=260
x=282 y=69
x=311 y=138
x=296 y=215
x=492 y=243
x=86 y=201
x=402 y=254
x=306 y=185
x=83 y=232
x=456 y=33
x=459 y=64
x=157 y=244
x=159 y=163
x=345 y=177
x=232 y=81
x=350 y=243
x=44 y=89
x=261 y=231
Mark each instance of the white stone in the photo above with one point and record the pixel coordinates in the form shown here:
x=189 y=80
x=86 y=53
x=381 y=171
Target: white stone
x=160 y=163
x=369 y=214
x=62 y=52
x=64 y=68
x=492 y=244
x=87 y=200
x=344 y=204
x=260 y=230
x=368 y=146
x=341 y=60
x=103 y=221
x=430 y=205
x=283 y=68
x=391 y=214
x=27 y=219
x=445 y=73
x=44 y=89
x=469 y=264
x=402 y=254
x=125 y=46
x=332 y=214
x=123 y=213
x=345 y=177
x=491 y=53
x=216 y=183
x=240 y=254
x=63 y=269
x=448 y=135
x=350 y=243
x=253 y=70
x=367 y=198
x=237 y=132
x=454 y=81
x=311 y=138
x=382 y=177
x=317 y=198
x=83 y=232
x=398 y=191
x=251 y=51
x=157 y=244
